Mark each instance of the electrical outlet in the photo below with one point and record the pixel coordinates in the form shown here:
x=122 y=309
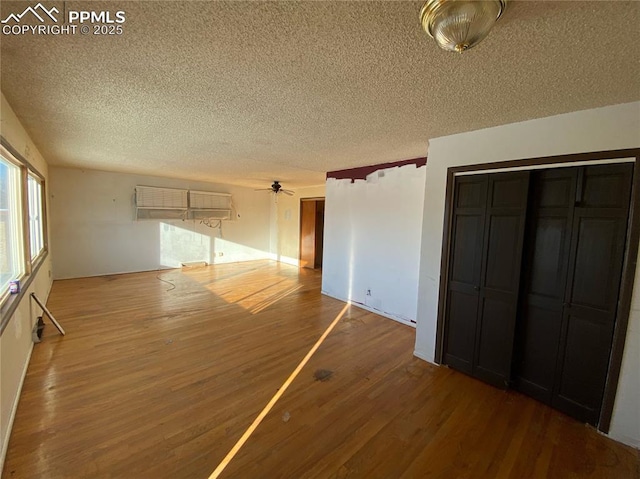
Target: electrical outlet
x=220 y=253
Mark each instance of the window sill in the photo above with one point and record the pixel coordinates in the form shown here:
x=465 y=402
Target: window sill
x=11 y=302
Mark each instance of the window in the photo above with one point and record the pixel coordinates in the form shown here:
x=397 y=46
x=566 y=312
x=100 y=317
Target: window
x=23 y=241
x=36 y=232
x=12 y=265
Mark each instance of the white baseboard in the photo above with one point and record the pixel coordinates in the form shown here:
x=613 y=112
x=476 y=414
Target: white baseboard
x=16 y=400
x=419 y=355
x=14 y=408
x=287 y=260
x=372 y=310
x=624 y=439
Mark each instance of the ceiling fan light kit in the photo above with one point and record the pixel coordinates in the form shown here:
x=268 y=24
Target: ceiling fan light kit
x=458 y=25
x=276 y=188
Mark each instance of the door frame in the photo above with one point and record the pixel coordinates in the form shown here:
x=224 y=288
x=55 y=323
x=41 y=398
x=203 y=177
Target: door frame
x=628 y=267
x=310 y=198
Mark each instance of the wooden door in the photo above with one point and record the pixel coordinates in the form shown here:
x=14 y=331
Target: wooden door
x=571 y=286
x=311 y=232
x=544 y=281
x=488 y=229
x=499 y=287
x=591 y=296
x=463 y=295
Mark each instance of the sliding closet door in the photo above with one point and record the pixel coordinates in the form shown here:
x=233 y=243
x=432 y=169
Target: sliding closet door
x=595 y=267
x=486 y=251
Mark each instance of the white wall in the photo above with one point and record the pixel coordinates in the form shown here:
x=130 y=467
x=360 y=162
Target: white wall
x=94 y=231
x=372 y=241
x=609 y=128
x=287 y=211
x=15 y=342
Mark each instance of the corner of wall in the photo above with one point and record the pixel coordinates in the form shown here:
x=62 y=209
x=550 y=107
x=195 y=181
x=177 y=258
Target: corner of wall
x=425 y=357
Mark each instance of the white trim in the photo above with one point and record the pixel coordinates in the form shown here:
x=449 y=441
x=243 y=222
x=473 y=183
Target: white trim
x=7 y=155
x=287 y=260
x=372 y=310
x=14 y=409
x=546 y=166
x=283 y=259
x=425 y=358
x=624 y=439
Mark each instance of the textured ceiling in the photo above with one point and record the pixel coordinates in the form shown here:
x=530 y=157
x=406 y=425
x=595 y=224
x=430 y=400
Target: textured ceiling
x=247 y=92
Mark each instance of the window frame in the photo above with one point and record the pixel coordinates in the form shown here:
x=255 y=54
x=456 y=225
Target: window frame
x=33 y=176
x=16 y=238
x=9 y=302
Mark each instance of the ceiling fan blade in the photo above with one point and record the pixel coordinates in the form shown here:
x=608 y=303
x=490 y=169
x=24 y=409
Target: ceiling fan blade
x=263 y=189
x=287 y=192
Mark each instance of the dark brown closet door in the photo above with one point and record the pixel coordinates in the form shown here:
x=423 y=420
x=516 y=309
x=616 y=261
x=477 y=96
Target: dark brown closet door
x=484 y=272
x=552 y=198
x=464 y=271
x=500 y=276
x=571 y=280
x=591 y=297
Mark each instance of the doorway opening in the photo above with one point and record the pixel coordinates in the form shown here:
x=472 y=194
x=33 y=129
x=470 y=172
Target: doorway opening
x=311 y=232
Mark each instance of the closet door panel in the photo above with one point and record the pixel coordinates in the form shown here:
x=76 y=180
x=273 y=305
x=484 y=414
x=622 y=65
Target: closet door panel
x=463 y=311
x=503 y=256
x=607 y=186
x=582 y=375
x=595 y=267
x=493 y=354
x=464 y=271
x=599 y=248
x=504 y=232
x=554 y=188
x=538 y=349
x=544 y=277
x=467 y=251
x=547 y=275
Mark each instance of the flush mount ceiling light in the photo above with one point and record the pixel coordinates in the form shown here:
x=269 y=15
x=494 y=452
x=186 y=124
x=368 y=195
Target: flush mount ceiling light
x=457 y=25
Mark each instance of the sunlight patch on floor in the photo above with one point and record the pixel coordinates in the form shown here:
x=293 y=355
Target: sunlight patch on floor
x=251 y=295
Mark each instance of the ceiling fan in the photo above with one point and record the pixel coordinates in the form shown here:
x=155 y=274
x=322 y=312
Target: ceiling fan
x=276 y=188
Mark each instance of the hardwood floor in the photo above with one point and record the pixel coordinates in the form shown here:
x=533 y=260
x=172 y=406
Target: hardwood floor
x=160 y=378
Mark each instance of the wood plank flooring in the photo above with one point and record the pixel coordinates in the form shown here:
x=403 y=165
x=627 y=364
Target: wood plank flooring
x=161 y=373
